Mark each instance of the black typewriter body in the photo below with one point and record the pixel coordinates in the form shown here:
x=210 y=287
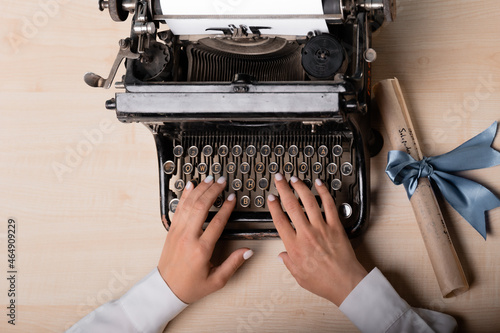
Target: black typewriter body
x=246 y=105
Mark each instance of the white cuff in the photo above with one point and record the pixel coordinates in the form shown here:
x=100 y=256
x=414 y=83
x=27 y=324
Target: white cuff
x=374 y=305
x=150 y=304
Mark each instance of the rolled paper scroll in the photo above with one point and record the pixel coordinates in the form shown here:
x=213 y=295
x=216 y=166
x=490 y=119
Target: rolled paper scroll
x=447 y=268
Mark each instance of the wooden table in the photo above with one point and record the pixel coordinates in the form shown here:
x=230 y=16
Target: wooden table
x=88 y=225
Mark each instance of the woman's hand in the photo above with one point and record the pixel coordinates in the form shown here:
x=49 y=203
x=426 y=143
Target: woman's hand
x=185 y=261
x=319 y=254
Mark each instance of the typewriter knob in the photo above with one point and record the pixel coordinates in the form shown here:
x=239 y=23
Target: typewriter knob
x=116 y=11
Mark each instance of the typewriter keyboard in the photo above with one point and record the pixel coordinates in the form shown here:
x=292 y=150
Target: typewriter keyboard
x=250 y=163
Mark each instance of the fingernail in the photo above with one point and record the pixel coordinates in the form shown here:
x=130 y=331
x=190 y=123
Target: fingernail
x=271 y=197
x=278 y=176
x=189 y=186
x=231 y=197
x=280 y=259
x=294 y=179
x=319 y=182
x=247 y=255
x=221 y=180
x=209 y=179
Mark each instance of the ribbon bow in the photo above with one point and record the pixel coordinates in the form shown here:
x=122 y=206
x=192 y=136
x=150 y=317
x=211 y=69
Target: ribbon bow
x=467 y=197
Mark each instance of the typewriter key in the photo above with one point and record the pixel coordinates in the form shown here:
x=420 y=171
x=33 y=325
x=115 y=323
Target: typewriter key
x=279 y=150
x=251 y=151
x=216 y=168
x=178 y=151
x=337 y=150
x=202 y=168
x=193 y=151
x=244 y=168
x=237 y=184
x=259 y=201
x=172 y=206
x=265 y=150
x=346 y=169
x=293 y=150
x=309 y=151
x=223 y=151
x=237 y=150
x=345 y=210
x=288 y=167
x=331 y=168
x=250 y=184
x=231 y=167
x=208 y=150
x=317 y=168
x=218 y=202
x=179 y=185
x=308 y=182
x=336 y=184
x=195 y=182
x=187 y=168
x=303 y=167
x=245 y=201
x=322 y=151
x=263 y=183
x=273 y=167
x=169 y=167
x=259 y=167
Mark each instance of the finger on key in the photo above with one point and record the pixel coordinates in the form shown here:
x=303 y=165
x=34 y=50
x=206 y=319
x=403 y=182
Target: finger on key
x=281 y=221
x=290 y=202
x=216 y=226
x=331 y=214
x=308 y=201
x=199 y=191
x=204 y=202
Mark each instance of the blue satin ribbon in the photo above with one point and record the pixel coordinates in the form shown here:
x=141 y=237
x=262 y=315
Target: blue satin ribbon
x=467 y=197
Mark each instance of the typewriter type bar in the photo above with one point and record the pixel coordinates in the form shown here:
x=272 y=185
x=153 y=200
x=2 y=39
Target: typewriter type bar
x=246 y=100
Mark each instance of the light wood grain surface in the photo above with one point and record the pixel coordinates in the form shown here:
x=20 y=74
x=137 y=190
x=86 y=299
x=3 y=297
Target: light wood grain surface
x=89 y=232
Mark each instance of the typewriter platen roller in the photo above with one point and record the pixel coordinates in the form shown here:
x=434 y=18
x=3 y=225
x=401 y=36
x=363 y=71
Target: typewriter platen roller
x=245 y=93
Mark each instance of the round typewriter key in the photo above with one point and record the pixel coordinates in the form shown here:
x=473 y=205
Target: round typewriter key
x=265 y=150
x=273 y=167
x=317 y=168
x=346 y=169
x=244 y=168
x=231 y=167
x=172 y=206
x=331 y=168
x=237 y=150
x=303 y=167
x=208 y=150
x=345 y=210
x=169 y=167
x=218 y=202
x=223 y=151
x=202 y=168
x=309 y=151
x=193 y=151
x=308 y=182
x=216 y=168
x=251 y=151
x=293 y=150
x=179 y=185
x=259 y=167
x=279 y=150
x=337 y=150
x=259 y=201
x=322 y=151
x=245 y=201
x=288 y=167
x=263 y=183
x=250 y=184
x=187 y=168
x=237 y=184
x=336 y=184
x=194 y=182
x=178 y=151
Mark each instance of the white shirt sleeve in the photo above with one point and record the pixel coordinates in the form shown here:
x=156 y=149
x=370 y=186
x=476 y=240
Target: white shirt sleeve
x=147 y=307
x=374 y=306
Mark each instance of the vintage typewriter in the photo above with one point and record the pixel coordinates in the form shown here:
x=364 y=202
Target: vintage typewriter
x=233 y=91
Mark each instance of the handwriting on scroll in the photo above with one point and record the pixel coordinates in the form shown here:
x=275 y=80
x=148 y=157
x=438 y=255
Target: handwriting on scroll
x=403 y=134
